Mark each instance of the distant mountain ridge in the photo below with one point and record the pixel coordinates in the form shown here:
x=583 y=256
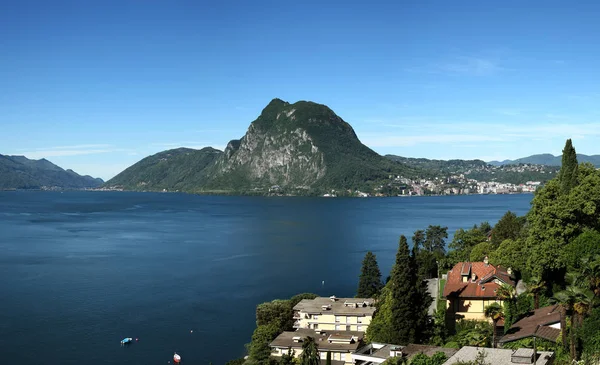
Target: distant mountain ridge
x=19 y=172
x=548 y=160
x=301 y=148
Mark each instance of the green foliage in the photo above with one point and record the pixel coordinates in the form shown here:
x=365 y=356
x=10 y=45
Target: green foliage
x=508 y=227
x=259 y=350
x=401 y=315
x=369 y=284
x=585 y=244
x=480 y=251
x=288 y=359
x=310 y=352
x=436 y=359
x=568 y=171
x=278 y=312
x=178 y=169
x=464 y=241
x=471 y=333
x=556 y=217
x=435 y=239
x=239 y=361
x=590 y=332
x=397 y=360
x=511 y=254
x=480 y=359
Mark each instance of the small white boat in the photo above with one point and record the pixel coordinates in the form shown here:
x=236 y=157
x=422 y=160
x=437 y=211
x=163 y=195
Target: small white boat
x=126 y=340
x=176 y=358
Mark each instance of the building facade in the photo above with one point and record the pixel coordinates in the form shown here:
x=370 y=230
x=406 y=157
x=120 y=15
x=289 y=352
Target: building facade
x=334 y=314
x=472 y=286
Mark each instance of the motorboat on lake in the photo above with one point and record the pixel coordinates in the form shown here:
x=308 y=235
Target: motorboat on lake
x=126 y=340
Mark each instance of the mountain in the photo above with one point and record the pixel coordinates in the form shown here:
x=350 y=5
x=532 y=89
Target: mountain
x=19 y=172
x=300 y=148
x=176 y=169
x=440 y=166
x=547 y=159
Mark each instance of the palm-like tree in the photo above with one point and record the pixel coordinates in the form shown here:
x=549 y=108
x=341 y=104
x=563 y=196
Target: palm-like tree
x=310 y=352
x=566 y=299
x=590 y=272
x=535 y=286
x=506 y=292
x=494 y=312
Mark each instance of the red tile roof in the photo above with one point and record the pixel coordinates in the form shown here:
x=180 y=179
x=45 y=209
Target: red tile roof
x=482 y=287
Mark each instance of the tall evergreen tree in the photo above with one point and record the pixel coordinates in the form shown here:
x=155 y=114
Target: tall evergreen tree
x=421 y=300
x=369 y=284
x=568 y=171
x=402 y=290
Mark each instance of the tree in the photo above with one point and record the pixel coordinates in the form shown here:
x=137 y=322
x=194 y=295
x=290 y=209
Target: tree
x=418 y=239
x=480 y=251
x=328 y=360
x=589 y=333
x=436 y=359
x=310 y=352
x=510 y=253
x=566 y=300
x=568 y=171
x=394 y=320
x=259 y=350
x=508 y=294
x=435 y=240
x=495 y=313
x=464 y=241
x=278 y=312
x=288 y=359
x=590 y=273
x=369 y=284
x=535 y=286
x=421 y=301
x=508 y=227
x=585 y=244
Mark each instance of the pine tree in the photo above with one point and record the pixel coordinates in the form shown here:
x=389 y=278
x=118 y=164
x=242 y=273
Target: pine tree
x=568 y=171
x=369 y=284
x=402 y=293
x=421 y=301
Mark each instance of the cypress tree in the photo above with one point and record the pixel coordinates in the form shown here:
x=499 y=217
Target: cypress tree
x=421 y=301
x=568 y=171
x=402 y=294
x=369 y=284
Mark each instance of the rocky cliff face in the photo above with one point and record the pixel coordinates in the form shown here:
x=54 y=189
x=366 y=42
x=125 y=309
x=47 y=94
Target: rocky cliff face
x=285 y=158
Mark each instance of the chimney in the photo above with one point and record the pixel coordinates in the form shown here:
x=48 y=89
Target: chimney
x=486 y=261
x=522 y=356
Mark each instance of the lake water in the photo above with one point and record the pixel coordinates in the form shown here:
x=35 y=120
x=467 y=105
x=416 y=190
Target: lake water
x=81 y=270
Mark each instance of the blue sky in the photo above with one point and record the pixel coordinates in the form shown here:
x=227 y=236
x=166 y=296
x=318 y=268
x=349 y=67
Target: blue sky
x=97 y=85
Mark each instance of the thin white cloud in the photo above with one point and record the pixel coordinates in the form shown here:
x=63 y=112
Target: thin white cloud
x=471 y=66
x=74 y=150
x=462 y=65
x=385 y=140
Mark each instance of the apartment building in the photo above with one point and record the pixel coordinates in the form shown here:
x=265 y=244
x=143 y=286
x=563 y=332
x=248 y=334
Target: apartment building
x=334 y=314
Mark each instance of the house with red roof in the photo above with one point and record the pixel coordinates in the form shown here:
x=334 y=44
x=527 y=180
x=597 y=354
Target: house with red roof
x=471 y=286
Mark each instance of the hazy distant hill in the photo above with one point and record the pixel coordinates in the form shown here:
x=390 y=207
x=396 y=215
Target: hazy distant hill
x=19 y=172
x=440 y=166
x=303 y=146
x=547 y=159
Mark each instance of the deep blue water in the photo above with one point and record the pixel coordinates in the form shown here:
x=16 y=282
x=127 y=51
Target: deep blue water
x=79 y=271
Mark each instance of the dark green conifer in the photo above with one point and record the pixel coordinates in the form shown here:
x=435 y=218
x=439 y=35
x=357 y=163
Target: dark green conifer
x=568 y=171
x=402 y=290
x=369 y=284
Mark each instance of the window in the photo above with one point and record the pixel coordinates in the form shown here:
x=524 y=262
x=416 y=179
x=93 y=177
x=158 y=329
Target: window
x=359 y=320
x=338 y=319
x=316 y=326
x=338 y=327
x=315 y=316
x=359 y=328
x=348 y=328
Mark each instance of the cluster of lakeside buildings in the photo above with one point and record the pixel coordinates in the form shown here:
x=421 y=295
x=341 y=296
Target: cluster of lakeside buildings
x=338 y=325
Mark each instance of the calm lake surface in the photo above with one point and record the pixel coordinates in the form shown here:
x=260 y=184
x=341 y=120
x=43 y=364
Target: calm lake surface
x=81 y=270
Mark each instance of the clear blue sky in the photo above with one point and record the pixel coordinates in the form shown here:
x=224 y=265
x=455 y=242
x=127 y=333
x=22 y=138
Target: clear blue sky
x=97 y=85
